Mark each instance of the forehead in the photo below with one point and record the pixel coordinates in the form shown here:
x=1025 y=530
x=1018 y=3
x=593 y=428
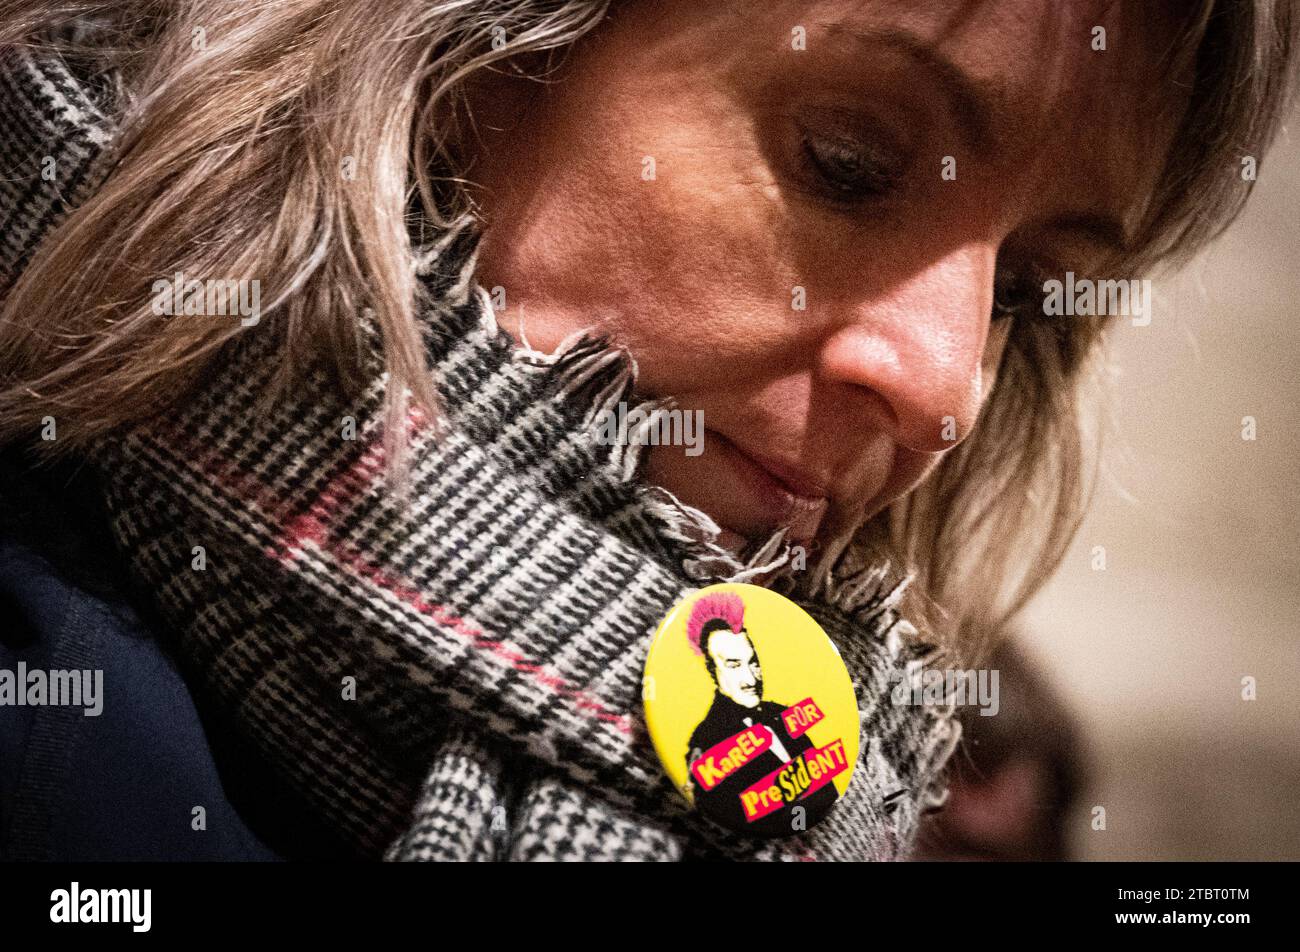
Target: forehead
x=1058 y=110
x=729 y=645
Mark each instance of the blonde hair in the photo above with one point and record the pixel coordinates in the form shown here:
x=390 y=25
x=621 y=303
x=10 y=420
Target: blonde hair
x=228 y=163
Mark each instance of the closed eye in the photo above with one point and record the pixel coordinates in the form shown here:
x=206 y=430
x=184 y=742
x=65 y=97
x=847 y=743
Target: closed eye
x=1017 y=292
x=847 y=171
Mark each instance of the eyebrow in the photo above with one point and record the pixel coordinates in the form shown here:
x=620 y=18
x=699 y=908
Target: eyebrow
x=969 y=101
x=973 y=105
x=1102 y=229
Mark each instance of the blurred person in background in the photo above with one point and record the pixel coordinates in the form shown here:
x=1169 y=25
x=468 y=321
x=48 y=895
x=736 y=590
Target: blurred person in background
x=1016 y=780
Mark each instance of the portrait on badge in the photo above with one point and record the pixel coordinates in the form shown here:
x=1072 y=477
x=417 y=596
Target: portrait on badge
x=766 y=741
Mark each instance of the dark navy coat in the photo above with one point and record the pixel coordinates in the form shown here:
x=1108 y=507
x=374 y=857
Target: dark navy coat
x=123 y=785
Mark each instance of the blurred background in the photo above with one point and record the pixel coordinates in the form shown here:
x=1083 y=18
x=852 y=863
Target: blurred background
x=1140 y=665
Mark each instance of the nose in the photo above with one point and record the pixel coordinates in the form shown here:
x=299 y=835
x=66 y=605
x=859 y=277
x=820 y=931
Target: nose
x=919 y=348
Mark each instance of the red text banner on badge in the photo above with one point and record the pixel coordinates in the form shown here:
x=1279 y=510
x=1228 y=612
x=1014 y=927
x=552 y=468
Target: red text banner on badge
x=726 y=757
x=800 y=778
x=799 y=717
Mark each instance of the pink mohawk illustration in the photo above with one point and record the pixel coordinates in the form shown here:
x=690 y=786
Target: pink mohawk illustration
x=726 y=606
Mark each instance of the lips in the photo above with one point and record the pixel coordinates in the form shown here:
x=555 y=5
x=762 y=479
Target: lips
x=790 y=500
x=795 y=483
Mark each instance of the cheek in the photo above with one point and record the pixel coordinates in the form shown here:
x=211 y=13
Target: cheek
x=715 y=290
x=664 y=233
x=909 y=471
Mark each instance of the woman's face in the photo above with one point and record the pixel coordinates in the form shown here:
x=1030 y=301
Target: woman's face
x=796 y=217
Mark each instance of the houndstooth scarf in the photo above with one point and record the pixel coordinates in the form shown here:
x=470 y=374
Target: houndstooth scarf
x=453 y=672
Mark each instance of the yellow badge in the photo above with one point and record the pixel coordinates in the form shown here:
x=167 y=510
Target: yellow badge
x=751 y=710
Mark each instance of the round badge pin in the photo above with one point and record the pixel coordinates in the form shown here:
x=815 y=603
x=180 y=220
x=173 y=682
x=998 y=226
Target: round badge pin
x=751 y=710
